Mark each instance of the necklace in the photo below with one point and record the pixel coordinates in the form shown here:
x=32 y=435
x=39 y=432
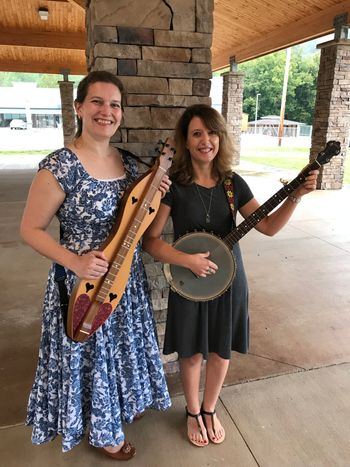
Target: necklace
x=207 y=211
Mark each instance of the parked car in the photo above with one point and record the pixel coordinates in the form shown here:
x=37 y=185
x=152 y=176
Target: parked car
x=18 y=124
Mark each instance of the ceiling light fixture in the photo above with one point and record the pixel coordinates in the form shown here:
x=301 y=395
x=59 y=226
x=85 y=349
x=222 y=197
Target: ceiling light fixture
x=43 y=14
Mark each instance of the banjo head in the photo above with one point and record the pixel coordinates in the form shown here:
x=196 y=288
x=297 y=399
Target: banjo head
x=202 y=289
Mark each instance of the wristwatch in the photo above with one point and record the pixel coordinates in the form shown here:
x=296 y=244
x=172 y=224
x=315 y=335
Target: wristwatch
x=294 y=199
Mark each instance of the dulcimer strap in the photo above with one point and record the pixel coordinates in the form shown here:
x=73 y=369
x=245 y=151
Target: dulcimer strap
x=60 y=279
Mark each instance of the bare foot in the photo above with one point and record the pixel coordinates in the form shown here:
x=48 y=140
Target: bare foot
x=113 y=449
x=215 y=430
x=196 y=432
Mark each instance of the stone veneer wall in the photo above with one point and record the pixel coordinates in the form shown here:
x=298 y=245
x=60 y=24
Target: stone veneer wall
x=332 y=110
x=68 y=114
x=161 y=52
x=232 y=108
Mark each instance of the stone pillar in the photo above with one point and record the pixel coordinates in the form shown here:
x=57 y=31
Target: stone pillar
x=68 y=114
x=232 y=107
x=332 y=110
x=161 y=52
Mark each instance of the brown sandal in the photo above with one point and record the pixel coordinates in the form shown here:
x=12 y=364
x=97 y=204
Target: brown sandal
x=138 y=416
x=196 y=416
x=126 y=452
x=213 y=439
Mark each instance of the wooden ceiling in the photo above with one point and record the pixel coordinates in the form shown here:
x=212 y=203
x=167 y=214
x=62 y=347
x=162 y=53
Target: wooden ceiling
x=244 y=29
x=32 y=45
x=247 y=29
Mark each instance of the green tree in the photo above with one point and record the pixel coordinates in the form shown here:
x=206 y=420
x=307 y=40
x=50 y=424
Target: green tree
x=265 y=75
x=42 y=80
x=300 y=105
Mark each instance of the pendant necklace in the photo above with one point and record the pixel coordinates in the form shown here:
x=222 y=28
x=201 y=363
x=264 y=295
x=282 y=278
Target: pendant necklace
x=207 y=211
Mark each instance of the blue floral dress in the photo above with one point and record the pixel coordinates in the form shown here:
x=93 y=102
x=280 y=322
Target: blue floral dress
x=94 y=386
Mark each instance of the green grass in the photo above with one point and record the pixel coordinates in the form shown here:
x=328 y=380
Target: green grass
x=29 y=153
x=285 y=158
x=282 y=158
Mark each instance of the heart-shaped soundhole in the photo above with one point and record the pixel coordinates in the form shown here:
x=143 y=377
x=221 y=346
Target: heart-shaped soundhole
x=112 y=296
x=89 y=286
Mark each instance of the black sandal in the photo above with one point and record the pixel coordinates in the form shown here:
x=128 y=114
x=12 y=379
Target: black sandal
x=214 y=439
x=196 y=416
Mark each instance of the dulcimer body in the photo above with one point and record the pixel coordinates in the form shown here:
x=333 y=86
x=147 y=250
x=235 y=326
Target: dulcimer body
x=92 y=301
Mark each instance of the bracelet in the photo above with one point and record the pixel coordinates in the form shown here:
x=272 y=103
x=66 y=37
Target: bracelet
x=294 y=199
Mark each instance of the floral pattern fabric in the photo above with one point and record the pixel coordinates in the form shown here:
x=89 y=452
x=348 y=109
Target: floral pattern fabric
x=117 y=373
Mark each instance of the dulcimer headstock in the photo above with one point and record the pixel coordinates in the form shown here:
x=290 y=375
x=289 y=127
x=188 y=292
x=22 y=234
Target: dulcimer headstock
x=166 y=151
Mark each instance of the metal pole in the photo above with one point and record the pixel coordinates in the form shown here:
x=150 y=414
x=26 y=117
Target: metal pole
x=256 y=110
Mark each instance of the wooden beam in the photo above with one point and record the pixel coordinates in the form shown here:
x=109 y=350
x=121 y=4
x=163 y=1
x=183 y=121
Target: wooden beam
x=44 y=67
x=78 y=3
x=305 y=29
x=30 y=38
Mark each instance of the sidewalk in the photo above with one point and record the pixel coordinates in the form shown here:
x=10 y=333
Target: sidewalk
x=285 y=404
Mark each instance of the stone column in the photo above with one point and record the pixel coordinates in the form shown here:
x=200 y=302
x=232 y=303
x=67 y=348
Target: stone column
x=232 y=107
x=68 y=114
x=332 y=110
x=161 y=52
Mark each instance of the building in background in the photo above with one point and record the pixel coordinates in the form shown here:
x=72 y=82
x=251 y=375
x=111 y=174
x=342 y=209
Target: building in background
x=38 y=107
x=269 y=125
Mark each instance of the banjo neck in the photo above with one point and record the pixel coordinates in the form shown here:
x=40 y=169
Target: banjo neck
x=332 y=148
x=182 y=280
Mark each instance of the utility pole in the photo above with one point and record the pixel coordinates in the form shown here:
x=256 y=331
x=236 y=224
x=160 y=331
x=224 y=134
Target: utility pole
x=256 y=110
x=284 y=95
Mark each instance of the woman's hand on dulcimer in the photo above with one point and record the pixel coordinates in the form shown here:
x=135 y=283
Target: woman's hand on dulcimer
x=91 y=266
x=164 y=186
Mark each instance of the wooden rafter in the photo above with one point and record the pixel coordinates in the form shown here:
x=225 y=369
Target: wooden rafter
x=78 y=3
x=56 y=40
x=43 y=67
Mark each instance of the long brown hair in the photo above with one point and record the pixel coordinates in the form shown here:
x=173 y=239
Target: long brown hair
x=182 y=170
x=92 y=78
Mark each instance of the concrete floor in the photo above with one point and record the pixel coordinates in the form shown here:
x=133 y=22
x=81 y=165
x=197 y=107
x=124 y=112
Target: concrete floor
x=286 y=403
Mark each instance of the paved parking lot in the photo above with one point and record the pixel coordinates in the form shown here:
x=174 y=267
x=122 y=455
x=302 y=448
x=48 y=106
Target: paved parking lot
x=33 y=139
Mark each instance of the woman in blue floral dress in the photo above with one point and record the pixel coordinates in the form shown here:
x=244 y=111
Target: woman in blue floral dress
x=117 y=373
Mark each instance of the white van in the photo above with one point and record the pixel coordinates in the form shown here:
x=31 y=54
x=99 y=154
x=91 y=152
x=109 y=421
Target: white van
x=18 y=124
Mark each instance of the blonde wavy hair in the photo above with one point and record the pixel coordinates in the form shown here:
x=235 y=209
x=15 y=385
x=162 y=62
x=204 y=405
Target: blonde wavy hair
x=182 y=170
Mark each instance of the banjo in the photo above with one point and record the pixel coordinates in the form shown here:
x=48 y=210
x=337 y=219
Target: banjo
x=201 y=289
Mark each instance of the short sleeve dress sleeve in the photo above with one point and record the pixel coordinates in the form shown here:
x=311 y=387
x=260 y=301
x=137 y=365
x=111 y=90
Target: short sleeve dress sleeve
x=241 y=191
x=63 y=166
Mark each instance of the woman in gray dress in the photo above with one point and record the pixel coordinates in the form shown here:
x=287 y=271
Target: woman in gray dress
x=197 y=200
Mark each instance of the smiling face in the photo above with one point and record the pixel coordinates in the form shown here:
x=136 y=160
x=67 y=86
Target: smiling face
x=202 y=143
x=101 y=111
